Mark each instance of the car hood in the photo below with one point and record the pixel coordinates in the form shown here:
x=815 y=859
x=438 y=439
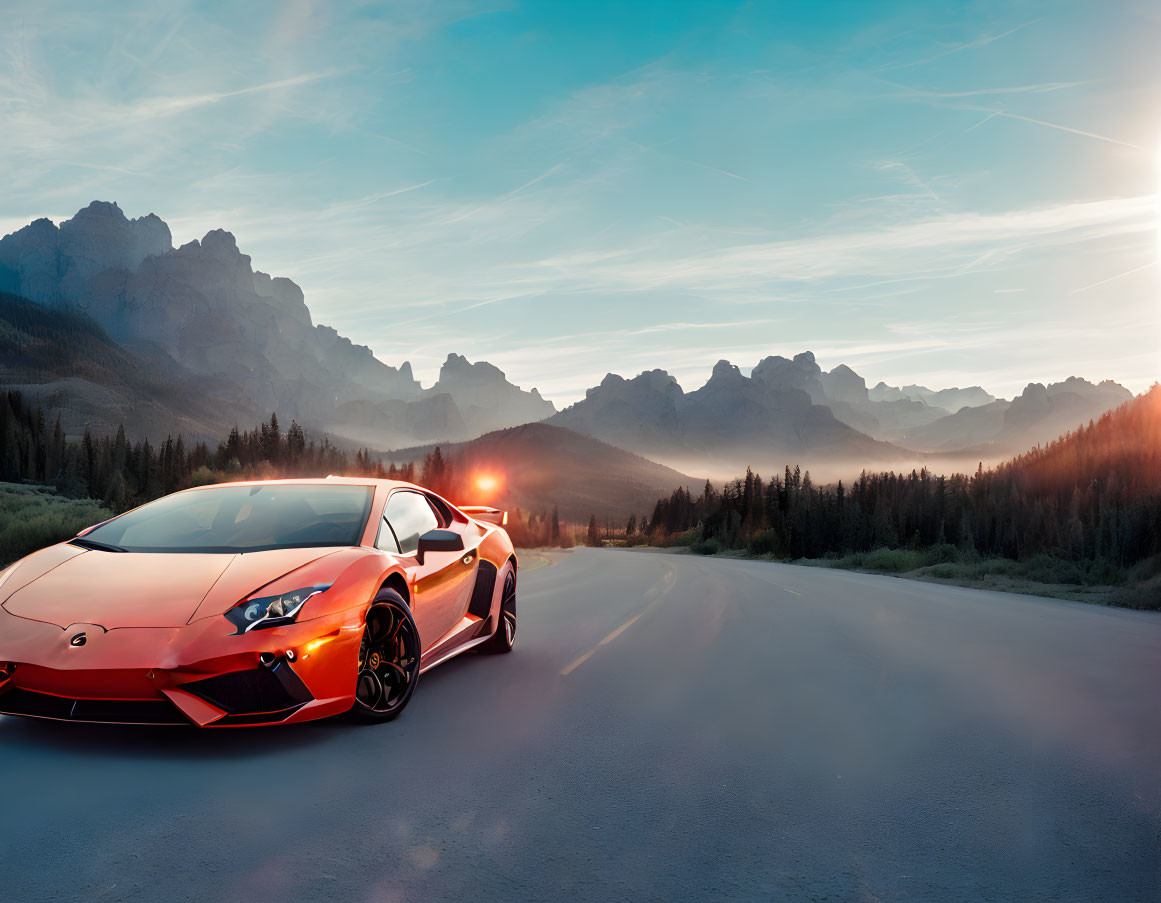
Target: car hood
x=114 y=589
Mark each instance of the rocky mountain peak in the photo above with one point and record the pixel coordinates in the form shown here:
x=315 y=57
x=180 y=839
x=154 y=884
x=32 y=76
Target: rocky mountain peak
x=52 y=265
x=221 y=247
x=99 y=210
x=844 y=384
x=725 y=372
x=659 y=381
x=219 y=241
x=486 y=398
x=778 y=374
x=245 y=332
x=284 y=294
x=459 y=368
x=101 y=235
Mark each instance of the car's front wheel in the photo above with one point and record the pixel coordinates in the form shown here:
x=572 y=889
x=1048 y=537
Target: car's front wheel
x=388 y=659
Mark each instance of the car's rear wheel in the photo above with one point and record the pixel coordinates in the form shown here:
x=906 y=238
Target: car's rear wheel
x=388 y=659
x=504 y=638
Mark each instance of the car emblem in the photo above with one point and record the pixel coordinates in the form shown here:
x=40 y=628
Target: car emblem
x=78 y=640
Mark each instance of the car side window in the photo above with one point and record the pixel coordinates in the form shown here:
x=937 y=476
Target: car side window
x=442 y=513
x=386 y=541
x=410 y=516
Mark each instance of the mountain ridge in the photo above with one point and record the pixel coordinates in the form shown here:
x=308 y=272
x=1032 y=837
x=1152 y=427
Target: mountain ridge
x=245 y=343
x=204 y=306
x=789 y=410
x=538 y=465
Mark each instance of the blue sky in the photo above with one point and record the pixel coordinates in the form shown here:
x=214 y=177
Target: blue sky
x=939 y=193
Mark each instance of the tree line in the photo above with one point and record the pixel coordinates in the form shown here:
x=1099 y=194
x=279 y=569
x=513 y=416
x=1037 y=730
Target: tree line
x=122 y=474
x=1093 y=495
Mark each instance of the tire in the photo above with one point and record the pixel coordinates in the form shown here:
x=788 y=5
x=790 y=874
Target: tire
x=389 y=658
x=504 y=638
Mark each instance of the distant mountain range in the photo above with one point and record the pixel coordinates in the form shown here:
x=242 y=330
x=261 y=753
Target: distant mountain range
x=1036 y=416
x=202 y=313
x=104 y=321
x=790 y=410
x=765 y=420
x=467 y=400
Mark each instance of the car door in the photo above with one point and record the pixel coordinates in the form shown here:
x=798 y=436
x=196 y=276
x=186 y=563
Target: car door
x=441 y=586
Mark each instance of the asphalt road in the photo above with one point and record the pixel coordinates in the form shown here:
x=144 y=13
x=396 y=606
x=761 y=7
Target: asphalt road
x=669 y=727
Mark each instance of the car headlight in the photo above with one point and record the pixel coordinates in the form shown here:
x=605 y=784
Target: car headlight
x=271 y=611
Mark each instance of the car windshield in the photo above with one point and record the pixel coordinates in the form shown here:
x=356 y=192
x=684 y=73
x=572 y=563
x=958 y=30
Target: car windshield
x=240 y=518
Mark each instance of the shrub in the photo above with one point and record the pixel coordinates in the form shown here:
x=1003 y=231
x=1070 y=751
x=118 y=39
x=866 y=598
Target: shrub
x=893 y=561
x=765 y=543
x=203 y=476
x=942 y=553
x=32 y=517
x=709 y=546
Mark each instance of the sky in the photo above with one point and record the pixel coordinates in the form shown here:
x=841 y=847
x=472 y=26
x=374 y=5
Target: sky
x=941 y=193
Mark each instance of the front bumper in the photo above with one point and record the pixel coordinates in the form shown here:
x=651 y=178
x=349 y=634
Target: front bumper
x=200 y=673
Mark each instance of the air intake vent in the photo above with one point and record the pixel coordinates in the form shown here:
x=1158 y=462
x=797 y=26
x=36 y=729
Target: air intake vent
x=272 y=691
x=481 y=603
x=18 y=701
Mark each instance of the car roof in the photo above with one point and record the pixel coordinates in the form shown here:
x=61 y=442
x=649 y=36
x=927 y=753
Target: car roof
x=316 y=481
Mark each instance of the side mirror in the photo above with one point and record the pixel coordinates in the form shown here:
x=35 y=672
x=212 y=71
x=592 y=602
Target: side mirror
x=439 y=541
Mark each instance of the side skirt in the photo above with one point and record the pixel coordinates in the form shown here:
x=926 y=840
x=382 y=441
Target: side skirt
x=452 y=653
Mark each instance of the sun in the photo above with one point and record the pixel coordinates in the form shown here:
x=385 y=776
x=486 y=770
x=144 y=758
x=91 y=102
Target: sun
x=485 y=483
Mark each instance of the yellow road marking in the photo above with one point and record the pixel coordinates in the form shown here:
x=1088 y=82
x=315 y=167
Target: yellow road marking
x=580 y=661
x=616 y=633
x=792 y=592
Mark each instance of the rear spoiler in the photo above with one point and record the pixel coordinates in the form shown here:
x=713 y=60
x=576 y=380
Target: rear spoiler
x=483 y=512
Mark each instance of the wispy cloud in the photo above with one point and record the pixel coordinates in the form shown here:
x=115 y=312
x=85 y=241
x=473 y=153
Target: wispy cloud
x=853 y=254
x=724 y=172
x=959 y=48
x=1114 y=278
x=1085 y=133
x=540 y=178
x=1040 y=88
x=157 y=107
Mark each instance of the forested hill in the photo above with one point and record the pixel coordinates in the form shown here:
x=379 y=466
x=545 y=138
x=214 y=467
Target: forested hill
x=63 y=359
x=1122 y=450
x=1087 y=506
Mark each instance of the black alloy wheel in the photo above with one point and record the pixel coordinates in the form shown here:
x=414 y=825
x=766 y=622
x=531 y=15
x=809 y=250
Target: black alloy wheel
x=389 y=657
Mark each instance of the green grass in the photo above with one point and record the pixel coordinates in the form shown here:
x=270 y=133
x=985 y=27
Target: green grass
x=32 y=517
x=1039 y=575
x=945 y=562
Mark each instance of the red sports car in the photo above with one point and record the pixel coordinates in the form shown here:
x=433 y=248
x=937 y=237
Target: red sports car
x=264 y=602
